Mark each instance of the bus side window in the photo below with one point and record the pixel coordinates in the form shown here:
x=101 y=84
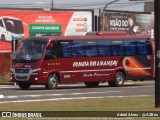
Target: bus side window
x=143 y=47
x=78 y=49
x=104 y=48
x=91 y=48
x=130 y=47
x=121 y=50
x=118 y=48
x=66 y=49
x=57 y=51
x=50 y=52
x=1 y=23
x=114 y=50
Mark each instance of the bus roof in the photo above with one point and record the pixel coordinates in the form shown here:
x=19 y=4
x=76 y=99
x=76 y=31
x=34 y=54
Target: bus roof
x=91 y=37
x=107 y=33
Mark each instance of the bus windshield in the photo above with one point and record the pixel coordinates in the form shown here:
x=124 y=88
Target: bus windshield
x=31 y=50
x=13 y=25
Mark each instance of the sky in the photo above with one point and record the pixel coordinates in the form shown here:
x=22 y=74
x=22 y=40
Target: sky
x=123 y=5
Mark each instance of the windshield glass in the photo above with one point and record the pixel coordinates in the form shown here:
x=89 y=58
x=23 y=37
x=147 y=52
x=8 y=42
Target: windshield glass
x=30 y=50
x=14 y=26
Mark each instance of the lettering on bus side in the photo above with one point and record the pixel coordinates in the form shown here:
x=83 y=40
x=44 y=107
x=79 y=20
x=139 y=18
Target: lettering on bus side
x=95 y=63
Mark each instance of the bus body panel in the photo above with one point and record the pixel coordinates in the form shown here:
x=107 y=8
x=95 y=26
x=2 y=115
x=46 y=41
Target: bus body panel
x=137 y=67
x=25 y=69
x=83 y=69
x=89 y=69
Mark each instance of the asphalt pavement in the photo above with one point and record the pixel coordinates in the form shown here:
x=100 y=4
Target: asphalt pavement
x=11 y=93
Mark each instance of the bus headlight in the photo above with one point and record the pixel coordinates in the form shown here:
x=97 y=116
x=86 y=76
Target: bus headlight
x=36 y=70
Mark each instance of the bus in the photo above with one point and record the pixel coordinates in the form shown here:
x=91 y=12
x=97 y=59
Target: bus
x=11 y=28
x=103 y=57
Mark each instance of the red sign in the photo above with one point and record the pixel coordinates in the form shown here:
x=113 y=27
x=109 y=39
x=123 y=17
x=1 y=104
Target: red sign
x=19 y=24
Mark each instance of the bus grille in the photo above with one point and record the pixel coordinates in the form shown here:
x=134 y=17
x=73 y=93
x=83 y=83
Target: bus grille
x=22 y=74
x=22 y=77
x=22 y=70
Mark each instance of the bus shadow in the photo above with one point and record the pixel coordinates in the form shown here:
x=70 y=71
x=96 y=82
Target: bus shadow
x=77 y=86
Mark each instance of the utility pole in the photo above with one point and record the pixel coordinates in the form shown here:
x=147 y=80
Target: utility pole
x=157 y=52
x=52 y=3
x=103 y=12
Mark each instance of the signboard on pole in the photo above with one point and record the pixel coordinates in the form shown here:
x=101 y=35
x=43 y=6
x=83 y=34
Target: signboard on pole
x=131 y=22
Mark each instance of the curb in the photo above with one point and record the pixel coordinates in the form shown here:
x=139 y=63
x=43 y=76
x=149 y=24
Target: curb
x=7 y=83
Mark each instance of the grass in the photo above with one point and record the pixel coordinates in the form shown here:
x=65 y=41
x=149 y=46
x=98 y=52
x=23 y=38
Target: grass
x=4 y=78
x=100 y=104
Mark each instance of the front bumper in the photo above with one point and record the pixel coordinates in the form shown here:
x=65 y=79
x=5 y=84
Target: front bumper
x=28 y=75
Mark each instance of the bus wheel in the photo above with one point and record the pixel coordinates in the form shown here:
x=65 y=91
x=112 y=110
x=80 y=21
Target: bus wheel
x=24 y=86
x=3 y=38
x=111 y=83
x=91 y=84
x=52 y=82
x=119 y=79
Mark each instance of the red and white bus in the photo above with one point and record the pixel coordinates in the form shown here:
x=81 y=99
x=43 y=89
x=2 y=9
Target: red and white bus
x=104 y=57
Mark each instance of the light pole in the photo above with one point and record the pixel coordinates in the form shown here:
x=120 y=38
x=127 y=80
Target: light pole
x=104 y=11
x=157 y=53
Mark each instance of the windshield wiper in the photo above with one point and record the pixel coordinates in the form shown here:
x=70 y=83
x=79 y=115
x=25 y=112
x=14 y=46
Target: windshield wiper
x=35 y=58
x=19 y=57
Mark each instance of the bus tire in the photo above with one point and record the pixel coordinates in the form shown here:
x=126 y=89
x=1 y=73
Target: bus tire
x=52 y=82
x=111 y=83
x=24 y=86
x=3 y=38
x=91 y=84
x=119 y=79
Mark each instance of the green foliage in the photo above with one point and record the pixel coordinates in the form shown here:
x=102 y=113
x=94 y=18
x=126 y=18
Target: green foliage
x=4 y=78
x=100 y=104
